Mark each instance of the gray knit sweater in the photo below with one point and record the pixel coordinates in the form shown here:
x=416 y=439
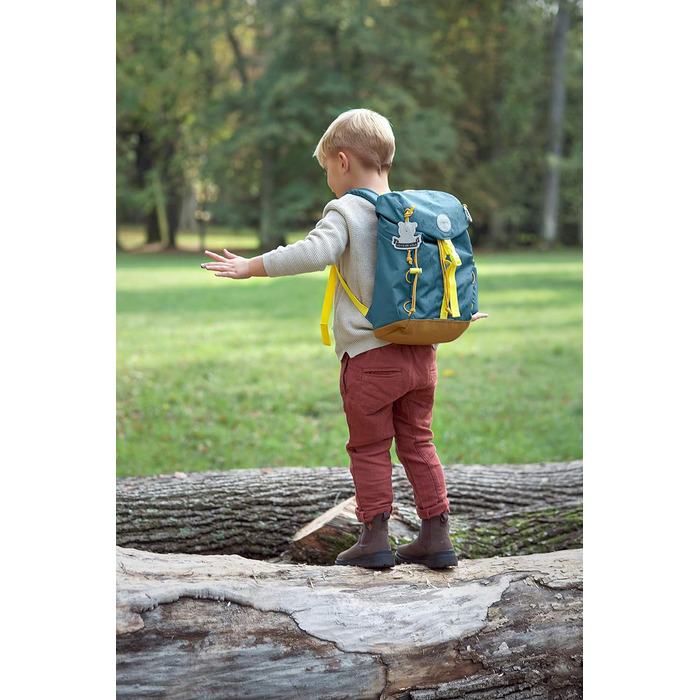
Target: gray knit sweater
x=346 y=236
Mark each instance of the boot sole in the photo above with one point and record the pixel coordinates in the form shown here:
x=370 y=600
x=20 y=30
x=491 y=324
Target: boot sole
x=438 y=560
x=376 y=560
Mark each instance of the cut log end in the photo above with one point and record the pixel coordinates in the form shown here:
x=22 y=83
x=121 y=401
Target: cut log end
x=336 y=530
x=326 y=536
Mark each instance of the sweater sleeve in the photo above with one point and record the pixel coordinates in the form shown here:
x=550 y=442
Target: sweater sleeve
x=321 y=247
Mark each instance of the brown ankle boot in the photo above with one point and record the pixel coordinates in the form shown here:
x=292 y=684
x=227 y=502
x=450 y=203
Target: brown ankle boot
x=432 y=547
x=372 y=550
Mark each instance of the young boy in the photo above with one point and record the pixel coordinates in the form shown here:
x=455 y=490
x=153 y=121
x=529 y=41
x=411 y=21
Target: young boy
x=387 y=390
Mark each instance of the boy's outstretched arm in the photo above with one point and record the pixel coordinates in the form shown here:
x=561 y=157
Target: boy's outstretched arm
x=235 y=266
x=239 y=268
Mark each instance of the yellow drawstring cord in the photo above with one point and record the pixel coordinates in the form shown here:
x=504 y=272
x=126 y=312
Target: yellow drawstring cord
x=415 y=271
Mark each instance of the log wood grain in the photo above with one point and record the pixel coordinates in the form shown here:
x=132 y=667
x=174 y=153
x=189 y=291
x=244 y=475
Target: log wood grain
x=496 y=510
x=226 y=627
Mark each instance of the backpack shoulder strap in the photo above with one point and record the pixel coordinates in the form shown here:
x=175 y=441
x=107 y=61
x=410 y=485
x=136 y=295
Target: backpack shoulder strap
x=365 y=193
x=333 y=277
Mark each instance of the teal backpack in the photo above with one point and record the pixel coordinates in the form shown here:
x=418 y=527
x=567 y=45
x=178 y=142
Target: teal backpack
x=425 y=283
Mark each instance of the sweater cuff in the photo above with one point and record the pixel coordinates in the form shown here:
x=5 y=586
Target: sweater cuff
x=269 y=264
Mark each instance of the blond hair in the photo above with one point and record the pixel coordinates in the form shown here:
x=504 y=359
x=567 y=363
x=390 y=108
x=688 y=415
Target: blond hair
x=363 y=132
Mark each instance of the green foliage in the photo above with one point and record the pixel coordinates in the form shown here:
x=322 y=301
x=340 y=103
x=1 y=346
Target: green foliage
x=163 y=58
x=240 y=91
x=215 y=374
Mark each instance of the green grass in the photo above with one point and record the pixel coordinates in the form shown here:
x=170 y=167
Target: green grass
x=220 y=374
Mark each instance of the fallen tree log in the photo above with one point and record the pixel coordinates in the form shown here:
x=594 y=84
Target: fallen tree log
x=497 y=510
x=225 y=627
x=321 y=540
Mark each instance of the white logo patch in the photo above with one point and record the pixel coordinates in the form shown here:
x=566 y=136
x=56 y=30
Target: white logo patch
x=444 y=223
x=407 y=239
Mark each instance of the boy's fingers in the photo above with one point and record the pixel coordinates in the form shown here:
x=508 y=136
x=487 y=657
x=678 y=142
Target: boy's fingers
x=215 y=256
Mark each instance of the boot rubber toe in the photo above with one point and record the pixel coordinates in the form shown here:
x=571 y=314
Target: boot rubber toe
x=436 y=560
x=375 y=560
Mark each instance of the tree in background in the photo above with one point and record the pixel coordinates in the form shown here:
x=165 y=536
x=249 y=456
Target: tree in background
x=237 y=92
x=501 y=49
x=165 y=72
x=309 y=61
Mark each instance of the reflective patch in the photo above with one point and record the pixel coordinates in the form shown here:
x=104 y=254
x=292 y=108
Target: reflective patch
x=444 y=223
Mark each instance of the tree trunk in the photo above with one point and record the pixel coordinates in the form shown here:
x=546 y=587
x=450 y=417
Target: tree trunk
x=160 y=206
x=556 y=128
x=172 y=209
x=152 y=227
x=145 y=162
x=188 y=207
x=191 y=626
x=173 y=186
x=269 y=233
x=497 y=229
x=495 y=510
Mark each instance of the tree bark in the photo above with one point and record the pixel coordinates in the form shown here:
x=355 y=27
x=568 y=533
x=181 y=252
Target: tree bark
x=495 y=510
x=217 y=627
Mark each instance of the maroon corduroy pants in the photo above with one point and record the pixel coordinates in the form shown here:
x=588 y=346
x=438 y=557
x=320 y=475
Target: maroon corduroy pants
x=388 y=394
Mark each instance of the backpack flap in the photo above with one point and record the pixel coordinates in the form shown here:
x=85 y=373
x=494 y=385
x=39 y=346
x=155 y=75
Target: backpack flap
x=436 y=214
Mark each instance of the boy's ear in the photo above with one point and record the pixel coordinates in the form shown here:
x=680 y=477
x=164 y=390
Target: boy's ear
x=344 y=161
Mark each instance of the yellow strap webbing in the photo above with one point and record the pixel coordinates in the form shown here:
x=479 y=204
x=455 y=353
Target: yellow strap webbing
x=333 y=277
x=449 y=261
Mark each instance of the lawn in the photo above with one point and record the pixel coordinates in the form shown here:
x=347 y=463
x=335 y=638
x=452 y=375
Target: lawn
x=221 y=374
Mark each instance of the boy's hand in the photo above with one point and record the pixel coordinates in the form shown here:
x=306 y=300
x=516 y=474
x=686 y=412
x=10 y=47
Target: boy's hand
x=233 y=266
x=477 y=316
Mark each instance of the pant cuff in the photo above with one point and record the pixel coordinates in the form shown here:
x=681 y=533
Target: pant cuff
x=366 y=516
x=433 y=511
